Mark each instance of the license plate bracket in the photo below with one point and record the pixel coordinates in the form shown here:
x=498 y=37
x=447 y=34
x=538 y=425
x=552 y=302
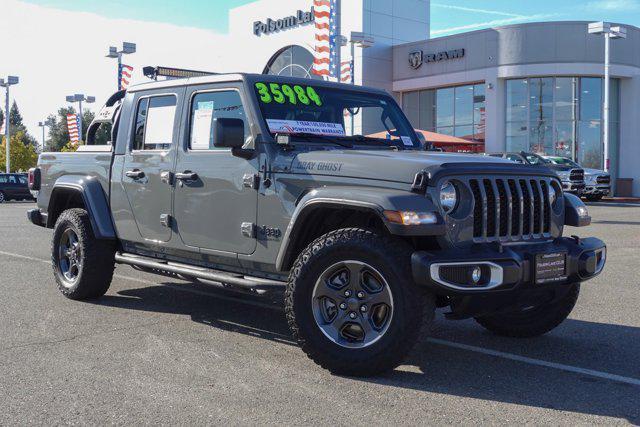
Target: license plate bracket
x=550 y=267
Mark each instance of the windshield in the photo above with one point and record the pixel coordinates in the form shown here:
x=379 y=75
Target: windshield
x=534 y=159
x=357 y=117
x=563 y=161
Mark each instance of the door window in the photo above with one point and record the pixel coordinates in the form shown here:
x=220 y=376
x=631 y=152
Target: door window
x=22 y=179
x=154 y=123
x=515 y=158
x=12 y=179
x=207 y=107
x=3 y=179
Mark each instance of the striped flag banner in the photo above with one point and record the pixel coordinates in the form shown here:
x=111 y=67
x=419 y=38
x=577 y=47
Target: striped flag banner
x=125 y=73
x=72 y=127
x=326 y=23
x=345 y=71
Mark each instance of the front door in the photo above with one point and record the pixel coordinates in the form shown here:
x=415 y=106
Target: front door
x=212 y=196
x=148 y=163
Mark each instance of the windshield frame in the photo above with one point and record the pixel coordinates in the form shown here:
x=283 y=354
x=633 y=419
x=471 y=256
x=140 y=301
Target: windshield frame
x=267 y=136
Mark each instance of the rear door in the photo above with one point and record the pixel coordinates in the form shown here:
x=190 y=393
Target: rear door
x=148 y=162
x=22 y=188
x=212 y=207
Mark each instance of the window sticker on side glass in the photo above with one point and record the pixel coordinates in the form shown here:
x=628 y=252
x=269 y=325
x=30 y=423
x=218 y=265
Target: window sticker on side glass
x=298 y=126
x=201 y=131
x=407 y=141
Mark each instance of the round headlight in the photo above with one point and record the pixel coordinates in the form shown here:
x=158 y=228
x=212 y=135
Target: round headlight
x=553 y=194
x=448 y=197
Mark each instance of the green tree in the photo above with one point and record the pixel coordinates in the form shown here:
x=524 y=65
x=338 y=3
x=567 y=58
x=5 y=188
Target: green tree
x=16 y=124
x=58 y=132
x=23 y=155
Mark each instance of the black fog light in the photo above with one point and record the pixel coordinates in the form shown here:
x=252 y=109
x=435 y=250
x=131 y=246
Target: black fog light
x=475 y=274
x=592 y=263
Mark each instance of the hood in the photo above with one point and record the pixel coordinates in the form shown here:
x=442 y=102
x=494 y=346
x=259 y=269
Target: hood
x=560 y=168
x=385 y=165
x=589 y=171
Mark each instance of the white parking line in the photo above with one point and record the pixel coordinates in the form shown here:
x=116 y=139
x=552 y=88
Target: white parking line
x=537 y=362
x=481 y=350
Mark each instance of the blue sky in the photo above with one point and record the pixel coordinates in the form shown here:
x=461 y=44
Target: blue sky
x=448 y=16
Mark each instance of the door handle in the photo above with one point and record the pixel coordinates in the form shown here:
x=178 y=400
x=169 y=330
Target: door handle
x=186 y=176
x=135 y=174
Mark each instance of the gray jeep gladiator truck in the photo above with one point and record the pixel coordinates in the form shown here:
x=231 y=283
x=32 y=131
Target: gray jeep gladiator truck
x=258 y=181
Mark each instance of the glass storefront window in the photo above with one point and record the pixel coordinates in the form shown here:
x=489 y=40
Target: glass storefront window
x=560 y=116
x=454 y=111
x=590 y=98
x=566 y=101
x=517 y=100
x=589 y=147
x=445 y=107
x=464 y=106
x=540 y=99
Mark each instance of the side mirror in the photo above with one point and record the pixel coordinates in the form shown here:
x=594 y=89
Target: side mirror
x=228 y=133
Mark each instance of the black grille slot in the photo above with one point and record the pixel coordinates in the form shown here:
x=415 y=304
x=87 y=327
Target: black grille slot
x=491 y=208
x=537 y=206
x=454 y=274
x=516 y=214
x=603 y=179
x=477 y=208
x=526 y=208
x=547 y=206
x=504 y=212
x=576 y=175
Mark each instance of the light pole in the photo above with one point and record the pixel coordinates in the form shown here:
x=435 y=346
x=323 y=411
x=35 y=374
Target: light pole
x=79 y=98
x=43 y=125
x=127 y=48
x=11 y=80
x=609 y=32
x=363 y=41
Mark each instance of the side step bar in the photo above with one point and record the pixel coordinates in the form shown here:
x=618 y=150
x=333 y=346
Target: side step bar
x=198 y=272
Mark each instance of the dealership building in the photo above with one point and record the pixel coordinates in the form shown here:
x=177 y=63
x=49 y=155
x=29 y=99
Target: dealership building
x=534 y=87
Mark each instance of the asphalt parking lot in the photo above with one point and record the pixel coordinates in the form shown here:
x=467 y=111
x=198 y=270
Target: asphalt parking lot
x=158 y=350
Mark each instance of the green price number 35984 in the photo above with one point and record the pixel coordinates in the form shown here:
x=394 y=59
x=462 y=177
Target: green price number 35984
x=288 y=94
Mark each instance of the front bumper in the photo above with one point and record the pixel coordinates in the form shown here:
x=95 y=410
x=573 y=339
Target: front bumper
x=597 y=190
x=508 y=271
x=573 y=187
x=510 y=266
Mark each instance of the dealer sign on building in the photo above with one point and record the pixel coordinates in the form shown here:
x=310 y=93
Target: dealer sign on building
x=417 y=57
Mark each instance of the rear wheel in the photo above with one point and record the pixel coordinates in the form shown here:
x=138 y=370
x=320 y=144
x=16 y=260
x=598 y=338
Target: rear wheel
x=535 y=320
x=82 y=265
x=352 y=304
x=2 y=197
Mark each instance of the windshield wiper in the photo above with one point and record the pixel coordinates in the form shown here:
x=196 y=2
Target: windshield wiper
x=311 y=136
x=379 y=141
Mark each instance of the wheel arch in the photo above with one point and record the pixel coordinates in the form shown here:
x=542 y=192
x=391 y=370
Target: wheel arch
x=86 y=193
x=316 y=212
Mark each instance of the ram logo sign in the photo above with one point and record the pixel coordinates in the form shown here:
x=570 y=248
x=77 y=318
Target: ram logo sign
x=417 y=57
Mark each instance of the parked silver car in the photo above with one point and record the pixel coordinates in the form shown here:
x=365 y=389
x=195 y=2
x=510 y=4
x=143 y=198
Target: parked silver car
x=597 y=182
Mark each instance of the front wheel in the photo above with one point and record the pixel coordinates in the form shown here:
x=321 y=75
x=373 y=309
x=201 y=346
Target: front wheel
x=352 y=305
x=82 y=265
x=535 y=320
x=2 y=197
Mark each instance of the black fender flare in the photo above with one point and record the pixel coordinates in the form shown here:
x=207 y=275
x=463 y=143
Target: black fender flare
x=95 y=201
x=372 y=200
x=572 y=215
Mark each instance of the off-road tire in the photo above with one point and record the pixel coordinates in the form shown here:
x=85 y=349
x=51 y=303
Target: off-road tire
x=97 y=258
x=413 y=309
x=535 y=322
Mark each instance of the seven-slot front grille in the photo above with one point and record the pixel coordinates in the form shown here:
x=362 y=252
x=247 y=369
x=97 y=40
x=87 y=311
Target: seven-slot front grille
x=510 y=208
x=603 y=179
